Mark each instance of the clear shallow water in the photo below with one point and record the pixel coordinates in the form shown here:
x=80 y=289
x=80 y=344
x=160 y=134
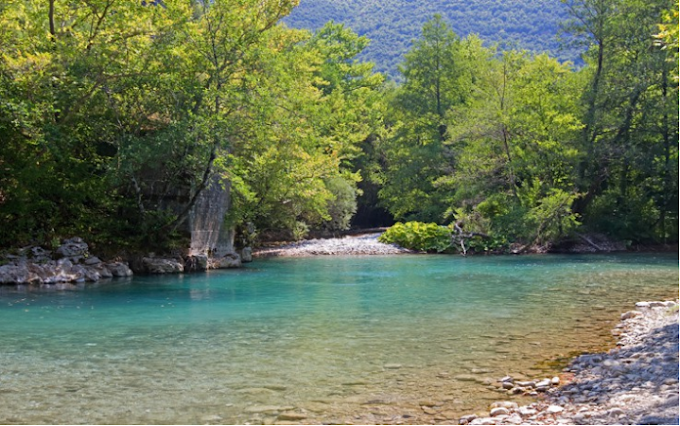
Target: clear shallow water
x=363 y=339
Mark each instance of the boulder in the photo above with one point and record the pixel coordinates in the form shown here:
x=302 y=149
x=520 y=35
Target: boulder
x=196 y=263
x=92 y=260
x=103 y=271
x=247 y=255
x=91 y=274
x=229 y=260
x=157 y=265
x=77 y=273
x=40 y=255
x=74 y=248
x=118 y=269
x=14 y=274
x=39 y=273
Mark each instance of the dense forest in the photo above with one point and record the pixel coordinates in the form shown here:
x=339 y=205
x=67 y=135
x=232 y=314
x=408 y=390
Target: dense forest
x=110 y=108
x=392 y=25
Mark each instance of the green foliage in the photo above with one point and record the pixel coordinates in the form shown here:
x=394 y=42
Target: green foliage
x=343 y=205
x=428 y=237
x=438 y=78
x=114 y=116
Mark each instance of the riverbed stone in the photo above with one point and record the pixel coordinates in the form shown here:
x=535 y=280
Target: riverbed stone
x=499 y=411
x=255 y=409
x=467 y=419
x=543 y=383
x=554 y=409
x=292 y=416
x=211 y=418
x=510 y=405
x=465 y=377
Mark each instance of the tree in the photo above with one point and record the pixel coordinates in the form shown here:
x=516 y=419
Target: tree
x=627 y=178
x=437 y=78
x=314 y=105
x=515 y=175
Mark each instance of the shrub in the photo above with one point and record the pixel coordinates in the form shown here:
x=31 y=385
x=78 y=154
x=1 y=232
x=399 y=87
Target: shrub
x=428 y=237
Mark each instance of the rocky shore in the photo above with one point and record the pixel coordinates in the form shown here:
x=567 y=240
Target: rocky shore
x=634 y=383
x=71 y=264
x=360 y=245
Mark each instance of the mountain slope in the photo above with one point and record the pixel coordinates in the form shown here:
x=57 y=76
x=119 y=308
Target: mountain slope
x=392 y=24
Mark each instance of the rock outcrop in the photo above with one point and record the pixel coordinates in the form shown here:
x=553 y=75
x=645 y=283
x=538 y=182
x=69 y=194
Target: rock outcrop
x=71 y=262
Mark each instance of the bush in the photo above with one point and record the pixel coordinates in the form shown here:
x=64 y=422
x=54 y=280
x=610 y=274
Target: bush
x=428 y=237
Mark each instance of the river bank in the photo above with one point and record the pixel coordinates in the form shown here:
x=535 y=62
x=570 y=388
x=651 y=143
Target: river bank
x=364 y=244
x=351 y=245
x=634 y=383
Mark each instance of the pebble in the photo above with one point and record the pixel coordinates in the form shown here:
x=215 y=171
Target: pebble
x=554 y=409
x=211 y=419
x=639 y=376
x=350 y=245
x=505 y=404
x=499 y=411
x=267 y=409
x=292 y=416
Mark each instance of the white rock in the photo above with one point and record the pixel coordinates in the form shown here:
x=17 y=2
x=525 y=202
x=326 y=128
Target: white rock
x=554 y=409
x=543 y=383
x=504 y=404
x=525 y=411
x=499 y=411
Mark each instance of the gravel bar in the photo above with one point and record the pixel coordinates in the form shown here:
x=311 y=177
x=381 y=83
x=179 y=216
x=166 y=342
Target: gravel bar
x=634 y=383
x=361 y=245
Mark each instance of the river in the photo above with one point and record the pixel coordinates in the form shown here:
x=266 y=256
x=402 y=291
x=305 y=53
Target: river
x=374 y=339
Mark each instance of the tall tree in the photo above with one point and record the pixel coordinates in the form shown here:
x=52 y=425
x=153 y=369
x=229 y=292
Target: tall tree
x=437 y=77
x=627 y=117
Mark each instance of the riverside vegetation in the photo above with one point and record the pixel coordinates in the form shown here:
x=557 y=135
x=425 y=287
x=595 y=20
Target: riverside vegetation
x=117 y=117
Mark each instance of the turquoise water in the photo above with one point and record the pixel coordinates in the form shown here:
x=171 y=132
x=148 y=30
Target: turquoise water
x=338 y=339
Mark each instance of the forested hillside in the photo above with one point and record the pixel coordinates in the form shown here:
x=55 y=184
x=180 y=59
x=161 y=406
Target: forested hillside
x=391 y=25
